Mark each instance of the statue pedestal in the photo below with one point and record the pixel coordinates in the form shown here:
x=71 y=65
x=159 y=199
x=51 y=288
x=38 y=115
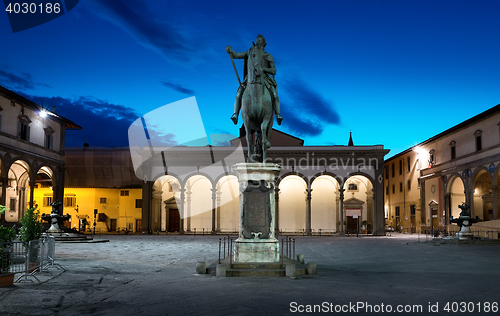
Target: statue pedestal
x=465 y=232
x=256 y=241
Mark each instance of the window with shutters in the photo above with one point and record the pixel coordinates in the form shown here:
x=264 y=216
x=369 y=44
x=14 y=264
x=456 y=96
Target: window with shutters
x=23 y=129
x=49 y=138
x=69 y=201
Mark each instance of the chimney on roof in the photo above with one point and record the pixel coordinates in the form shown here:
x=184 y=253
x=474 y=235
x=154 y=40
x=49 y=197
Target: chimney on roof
x=350 y=140
x=54 y=109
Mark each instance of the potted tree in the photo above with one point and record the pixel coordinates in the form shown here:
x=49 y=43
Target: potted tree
x=365 y=224
x=7 y=235
x=31 y=230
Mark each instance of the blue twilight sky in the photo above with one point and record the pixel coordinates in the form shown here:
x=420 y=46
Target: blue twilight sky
x=393 y=72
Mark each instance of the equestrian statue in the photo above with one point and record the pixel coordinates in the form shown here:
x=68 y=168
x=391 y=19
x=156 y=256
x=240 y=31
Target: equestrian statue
x=257 y=97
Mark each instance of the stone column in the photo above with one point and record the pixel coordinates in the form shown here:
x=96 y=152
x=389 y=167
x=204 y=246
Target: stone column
x=447 y=208
x=147 y=195
x=277 y=208
x=423 y=207
x=5 y=180
x=59 y=176
x=181 y=211
x=217 y=223
x=214 y=200
x=32 y=191
x=495 y=205
x=308 y=212
x=341 y=200
x=188 y=209
x=370 y=199
x=337 y=212
x=156 y=211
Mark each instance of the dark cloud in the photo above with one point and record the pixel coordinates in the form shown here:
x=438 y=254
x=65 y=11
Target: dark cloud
x=177 y=87
x=104 y=124
x=147 y=28
x=305 y=111
x=22 y=80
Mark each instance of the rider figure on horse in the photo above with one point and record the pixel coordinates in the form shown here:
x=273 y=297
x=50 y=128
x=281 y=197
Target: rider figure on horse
x=263 y=70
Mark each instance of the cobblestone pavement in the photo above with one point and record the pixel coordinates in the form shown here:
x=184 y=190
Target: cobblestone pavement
x=155 y=275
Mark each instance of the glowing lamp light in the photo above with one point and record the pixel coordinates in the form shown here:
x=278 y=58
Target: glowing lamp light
x=43 y=114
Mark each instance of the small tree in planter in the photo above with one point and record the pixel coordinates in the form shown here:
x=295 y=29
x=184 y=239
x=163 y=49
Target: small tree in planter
x=7 y=235
x=31 y=230
x=365 y=224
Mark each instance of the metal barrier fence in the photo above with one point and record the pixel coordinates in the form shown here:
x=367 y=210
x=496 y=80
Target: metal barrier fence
x=12 y=257
x=28 y=258
x=478 y=237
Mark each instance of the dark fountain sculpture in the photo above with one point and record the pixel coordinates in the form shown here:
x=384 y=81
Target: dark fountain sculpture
x=55 y=219
x=464 y=221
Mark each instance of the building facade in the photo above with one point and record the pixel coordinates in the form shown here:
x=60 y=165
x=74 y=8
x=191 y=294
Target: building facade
x=31 y=153
x=425 y=184
x=330 y=189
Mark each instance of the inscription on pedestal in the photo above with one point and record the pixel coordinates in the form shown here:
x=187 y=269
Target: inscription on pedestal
x=257 y=210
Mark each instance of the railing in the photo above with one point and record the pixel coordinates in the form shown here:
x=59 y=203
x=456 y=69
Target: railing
x=478 y=237
x=290 y=245
x=226 y=246
x=28 y=258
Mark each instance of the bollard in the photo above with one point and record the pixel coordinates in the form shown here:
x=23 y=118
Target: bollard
x=200 y=268
x=300 y=258
x=220 y=271
x=281 y=265
x=311 y=268
x=290 y=270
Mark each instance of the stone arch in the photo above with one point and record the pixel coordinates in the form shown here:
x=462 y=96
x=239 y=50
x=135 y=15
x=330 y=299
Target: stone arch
x=359 y=201
x=339 y=179
x=298 y=174
x=372 y=181
x=45 y=188
x=482 y=194
x=227 y=204
x=20 y=177
x=166 y=202
x=325 y=203
x=197 y=173
x=219 y=177
x=198 y=203
x=455 y=194
x=292 y=203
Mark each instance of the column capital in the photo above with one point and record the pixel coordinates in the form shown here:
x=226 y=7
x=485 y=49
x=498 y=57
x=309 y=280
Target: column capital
x=309 y=193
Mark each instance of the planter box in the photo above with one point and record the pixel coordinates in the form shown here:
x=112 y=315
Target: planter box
x=6 y=279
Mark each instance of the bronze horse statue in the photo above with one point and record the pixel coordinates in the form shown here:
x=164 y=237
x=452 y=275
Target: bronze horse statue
x=257 y=97
x=257 y=113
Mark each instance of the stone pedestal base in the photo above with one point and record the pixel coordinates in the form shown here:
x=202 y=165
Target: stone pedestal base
x=253 y=251
x=465 y=233
x=256 y=242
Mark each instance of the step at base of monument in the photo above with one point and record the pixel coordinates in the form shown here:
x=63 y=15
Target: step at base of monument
x=260 y=269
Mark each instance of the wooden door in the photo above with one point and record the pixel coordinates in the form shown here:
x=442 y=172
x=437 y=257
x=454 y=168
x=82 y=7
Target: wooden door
x=174 y=220
x=112 y=225
x=138 y=225
x=352 y=224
